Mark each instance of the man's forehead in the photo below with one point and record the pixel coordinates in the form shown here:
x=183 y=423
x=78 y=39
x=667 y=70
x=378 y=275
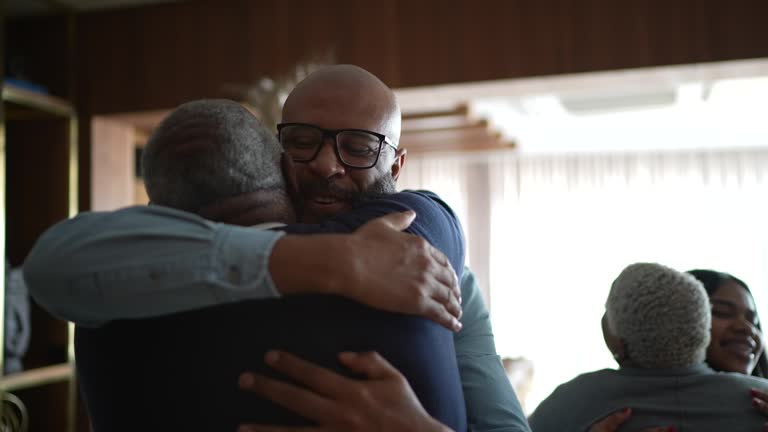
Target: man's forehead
x=336 y=111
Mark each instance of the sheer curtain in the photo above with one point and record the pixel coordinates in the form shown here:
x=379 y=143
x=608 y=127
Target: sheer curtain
x=563 y=227
x=547 y=234
x=461 y=181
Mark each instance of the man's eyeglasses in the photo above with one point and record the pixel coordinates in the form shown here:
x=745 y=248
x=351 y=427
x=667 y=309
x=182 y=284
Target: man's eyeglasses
x=355 y=148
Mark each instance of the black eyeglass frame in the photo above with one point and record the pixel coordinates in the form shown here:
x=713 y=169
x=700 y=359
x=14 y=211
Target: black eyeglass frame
x=333 y=133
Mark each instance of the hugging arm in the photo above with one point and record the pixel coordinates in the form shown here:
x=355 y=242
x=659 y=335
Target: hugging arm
x=613 y=422
x=145 y=261
x=148 y=261
x=382 y=402
x=436 y=228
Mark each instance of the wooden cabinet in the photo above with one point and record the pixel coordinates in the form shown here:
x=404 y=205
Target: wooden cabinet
x=38 y=187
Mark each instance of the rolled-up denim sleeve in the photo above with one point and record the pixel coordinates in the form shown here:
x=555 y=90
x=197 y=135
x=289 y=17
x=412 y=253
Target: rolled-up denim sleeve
x=146 y=261
x=490 y=400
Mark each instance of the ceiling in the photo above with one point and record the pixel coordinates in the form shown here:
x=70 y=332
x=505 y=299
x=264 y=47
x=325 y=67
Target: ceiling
x=671 y=108
x=42 y=7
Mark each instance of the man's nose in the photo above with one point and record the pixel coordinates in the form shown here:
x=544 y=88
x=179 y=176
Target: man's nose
x=327 y=163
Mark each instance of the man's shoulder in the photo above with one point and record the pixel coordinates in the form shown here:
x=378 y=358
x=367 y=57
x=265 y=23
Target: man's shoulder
x=421 y=198
x=429 y=207
x=588 y=379
x=572 y=403
x=409 y=199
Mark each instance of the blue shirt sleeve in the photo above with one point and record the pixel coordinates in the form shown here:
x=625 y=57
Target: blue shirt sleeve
x=146 y=261
x=490 y=400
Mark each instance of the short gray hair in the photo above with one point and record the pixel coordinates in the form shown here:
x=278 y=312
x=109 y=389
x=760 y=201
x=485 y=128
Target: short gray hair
x=207 y=150
x=662 y=315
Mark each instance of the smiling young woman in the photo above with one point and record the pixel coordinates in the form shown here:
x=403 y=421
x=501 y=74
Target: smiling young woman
x=737 y=337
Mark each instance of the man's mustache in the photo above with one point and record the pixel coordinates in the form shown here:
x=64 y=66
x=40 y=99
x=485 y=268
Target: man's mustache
x=329 y=189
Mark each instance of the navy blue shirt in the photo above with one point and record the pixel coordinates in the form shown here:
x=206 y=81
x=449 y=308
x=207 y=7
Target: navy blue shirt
x=180 y=371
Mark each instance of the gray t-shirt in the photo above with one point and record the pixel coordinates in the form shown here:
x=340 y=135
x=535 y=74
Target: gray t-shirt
x=694 y=398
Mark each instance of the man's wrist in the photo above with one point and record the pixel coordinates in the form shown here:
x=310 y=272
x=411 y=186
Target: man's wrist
x=309 y=264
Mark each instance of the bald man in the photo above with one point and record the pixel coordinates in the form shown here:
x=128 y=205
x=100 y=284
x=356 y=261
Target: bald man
x=331 y=99
x=341 y=127
x=345 y=96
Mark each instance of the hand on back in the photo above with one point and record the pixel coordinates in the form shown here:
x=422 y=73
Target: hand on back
x=377 y=265
x=400 y=272
x=612 y=423
x=382 y=402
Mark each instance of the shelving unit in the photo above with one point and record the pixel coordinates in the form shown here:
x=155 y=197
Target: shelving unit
x=38 y=187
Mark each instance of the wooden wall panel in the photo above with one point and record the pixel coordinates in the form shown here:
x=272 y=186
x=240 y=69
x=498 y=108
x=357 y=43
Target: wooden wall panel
x=163 y=55
x=156 y=57
x=37 y=48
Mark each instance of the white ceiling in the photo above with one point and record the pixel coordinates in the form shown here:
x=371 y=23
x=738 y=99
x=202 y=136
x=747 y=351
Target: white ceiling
x=41 y=7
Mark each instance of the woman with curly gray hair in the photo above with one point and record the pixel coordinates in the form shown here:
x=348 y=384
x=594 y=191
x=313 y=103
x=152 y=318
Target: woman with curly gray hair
x=657 y=326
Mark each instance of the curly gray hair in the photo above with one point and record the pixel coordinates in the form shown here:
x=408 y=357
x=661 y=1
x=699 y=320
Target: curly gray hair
x=207 y=150
x=662 y=315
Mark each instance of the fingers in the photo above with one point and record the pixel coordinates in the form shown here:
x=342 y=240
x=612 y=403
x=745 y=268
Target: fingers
x=443 y=304
x=301 y=401
x=317 y=378
x=445 y=273
x=759 y=394
x=371 y=364
x=398 y=221
x=452 y=306
x=437 y=312
x=612 y=422
x=447 y=291
x=760 y=401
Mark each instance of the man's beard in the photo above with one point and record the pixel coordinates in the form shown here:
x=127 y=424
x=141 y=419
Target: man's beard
x=384 y=185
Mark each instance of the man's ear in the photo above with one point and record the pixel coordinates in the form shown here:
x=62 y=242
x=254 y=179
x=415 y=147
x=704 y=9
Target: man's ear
x=289 y=174
x=398 y=163
x=292 y=185
x=613 y=342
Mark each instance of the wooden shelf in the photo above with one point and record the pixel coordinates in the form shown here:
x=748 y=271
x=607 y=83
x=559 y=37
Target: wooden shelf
x=37 y=377
x=37 y=101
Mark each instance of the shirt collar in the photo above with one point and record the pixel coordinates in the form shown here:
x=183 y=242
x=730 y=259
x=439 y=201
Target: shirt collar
x=697 y=369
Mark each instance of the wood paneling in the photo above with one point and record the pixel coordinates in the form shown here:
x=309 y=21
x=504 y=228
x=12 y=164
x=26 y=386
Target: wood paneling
x=156 y=57
x=36 y=49
x=159 y=56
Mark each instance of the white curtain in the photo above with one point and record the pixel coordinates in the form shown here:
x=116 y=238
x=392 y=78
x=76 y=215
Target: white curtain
x=462 y=182
x=547 y=234
x=563 y=227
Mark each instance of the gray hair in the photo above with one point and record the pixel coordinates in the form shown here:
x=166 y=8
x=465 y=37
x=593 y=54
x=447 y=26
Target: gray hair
x=662 y=315
x=207 y=150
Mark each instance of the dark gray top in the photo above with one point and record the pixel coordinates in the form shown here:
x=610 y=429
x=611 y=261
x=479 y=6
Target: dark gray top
x=694 y=398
